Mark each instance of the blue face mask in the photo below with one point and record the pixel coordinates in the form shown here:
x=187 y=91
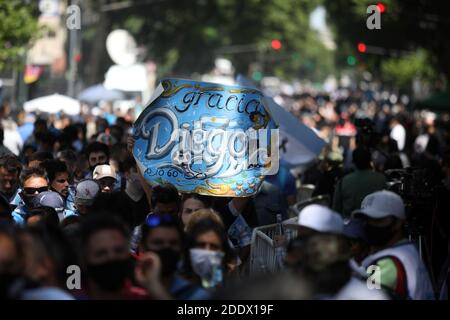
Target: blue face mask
x=207 y=264
x=378 y=236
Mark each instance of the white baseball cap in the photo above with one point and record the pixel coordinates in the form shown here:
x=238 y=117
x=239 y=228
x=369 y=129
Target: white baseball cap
x=104 y=171
x=321 y=219
x=382 y=204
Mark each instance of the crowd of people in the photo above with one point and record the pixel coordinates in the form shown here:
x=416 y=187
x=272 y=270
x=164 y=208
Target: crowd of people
x=72 y=198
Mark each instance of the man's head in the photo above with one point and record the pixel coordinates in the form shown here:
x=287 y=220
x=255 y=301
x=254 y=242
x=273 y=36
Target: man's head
x=191 y=203
x=86 y=192
x=106 y=176
x=163 y=235
x=105 y=252
x=48 y=254
x=165 y=199
x=384 y=216
x=11 y=258
x=42 y=215
x=37 y=158
x=5 y=211
x=58 y=176
x=97 y=153
x=362 y=158
x=69 y=157
x=394 y=121
x=33 y=181
x=355 y=233
x=316 y=218
x=10 y=168
x=50 y=199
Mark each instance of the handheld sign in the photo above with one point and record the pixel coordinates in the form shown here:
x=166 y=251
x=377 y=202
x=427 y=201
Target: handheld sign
x=206 y=138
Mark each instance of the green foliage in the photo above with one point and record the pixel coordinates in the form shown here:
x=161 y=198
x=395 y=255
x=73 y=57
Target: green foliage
x=17 y=28
x=185 y=36
x=401 y=71
x=406 y=26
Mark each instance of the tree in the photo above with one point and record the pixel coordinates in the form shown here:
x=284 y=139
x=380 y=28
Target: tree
x=17 y=27
x=185 y=36
x=405 y=27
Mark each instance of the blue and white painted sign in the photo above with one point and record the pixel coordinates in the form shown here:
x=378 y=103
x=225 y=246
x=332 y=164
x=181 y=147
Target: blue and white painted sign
x=206 y=138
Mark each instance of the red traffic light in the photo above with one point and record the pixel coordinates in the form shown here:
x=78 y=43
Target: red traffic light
x=381 y=7
x=276 y=44
x=362 y=47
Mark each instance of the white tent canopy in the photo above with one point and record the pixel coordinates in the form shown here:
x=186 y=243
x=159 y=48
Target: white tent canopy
x=53 y=104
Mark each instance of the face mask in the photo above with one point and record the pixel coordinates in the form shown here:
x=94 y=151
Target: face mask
x=378 y=236
x=206 y=263
x=169 y=260
x=28 y=200
x=111 y=275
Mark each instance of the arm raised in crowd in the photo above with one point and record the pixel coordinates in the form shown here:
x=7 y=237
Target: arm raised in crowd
x=147 y=273
x=145 y=184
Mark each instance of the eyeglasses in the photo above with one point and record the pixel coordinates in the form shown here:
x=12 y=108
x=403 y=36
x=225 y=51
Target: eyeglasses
x=155 y=220
x=31 y=191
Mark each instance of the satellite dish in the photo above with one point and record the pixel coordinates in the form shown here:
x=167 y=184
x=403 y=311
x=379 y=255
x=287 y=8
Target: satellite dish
x=49 y=7
x=121 y=47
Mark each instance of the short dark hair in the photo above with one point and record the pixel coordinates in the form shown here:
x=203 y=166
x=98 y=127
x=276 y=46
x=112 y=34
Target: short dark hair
x=53 y=167
x=165 y=193
x=116 y=203
x=57 y=247
x=49 y=215
x=70 y=220
x=68 y=155
x=40 y=156
x=100 y=222
x=97 y=147
x=165 y=221
x=11 y=163
x=6 y=209
x=32 y=172
x=206 y=200
x=362 y=158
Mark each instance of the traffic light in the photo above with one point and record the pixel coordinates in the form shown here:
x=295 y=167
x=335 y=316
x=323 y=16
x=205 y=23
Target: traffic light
x=257 y=75
x=362 y=47
x=351 y=61
x=276 y=44
x=381 y=7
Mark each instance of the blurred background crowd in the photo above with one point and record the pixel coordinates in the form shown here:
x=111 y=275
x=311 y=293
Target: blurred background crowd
x=365 y=219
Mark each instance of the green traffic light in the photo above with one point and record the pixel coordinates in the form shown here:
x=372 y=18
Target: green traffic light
x=257 y=76
x=351 y=60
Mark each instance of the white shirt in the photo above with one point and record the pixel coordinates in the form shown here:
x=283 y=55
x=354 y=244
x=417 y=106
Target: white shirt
x=12 y=139
x=357 y=289
x=398 y=133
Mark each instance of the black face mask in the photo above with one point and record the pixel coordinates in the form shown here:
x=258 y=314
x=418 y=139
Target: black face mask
x=28 y=200
x=111 y=275
x=169 y=260
x=378 y=236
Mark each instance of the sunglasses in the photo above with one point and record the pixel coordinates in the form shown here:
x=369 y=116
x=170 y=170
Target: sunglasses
x=155 y=220
x=31 y=191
